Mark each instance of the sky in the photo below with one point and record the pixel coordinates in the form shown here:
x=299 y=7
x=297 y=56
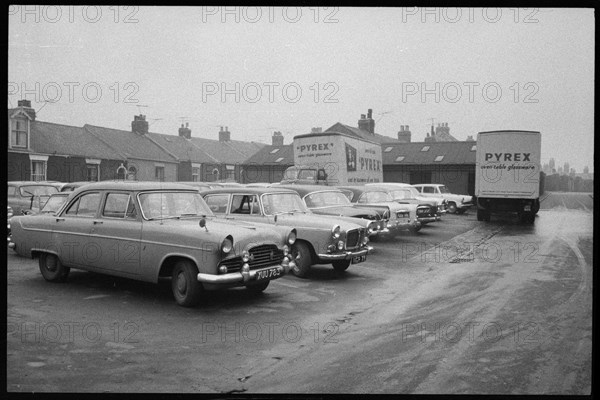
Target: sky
x=258 y=70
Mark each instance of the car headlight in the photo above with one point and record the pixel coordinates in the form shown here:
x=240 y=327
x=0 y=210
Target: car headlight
x=291 y=239
x=373 y=226
x=340 y=245
x=365 y=240
x=336 y=232
x=227 y=245
x=245 y=256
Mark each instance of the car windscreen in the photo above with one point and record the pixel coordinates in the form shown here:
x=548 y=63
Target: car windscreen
x=443 y=189
x=401 y=194
x=324 y=199
x=376 y=197
x=276 y=203
x=37 y=190
x=173 y=204
x=54 y=203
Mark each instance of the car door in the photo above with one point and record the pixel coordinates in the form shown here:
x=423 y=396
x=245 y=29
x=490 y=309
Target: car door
x=116 y=234
x=71 y=231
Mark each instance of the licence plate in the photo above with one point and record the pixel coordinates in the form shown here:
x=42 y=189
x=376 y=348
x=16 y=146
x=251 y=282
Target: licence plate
x=358 y=259
x=267 y=274
x=527 y=208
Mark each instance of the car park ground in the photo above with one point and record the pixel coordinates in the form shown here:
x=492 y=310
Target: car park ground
x=461 y=307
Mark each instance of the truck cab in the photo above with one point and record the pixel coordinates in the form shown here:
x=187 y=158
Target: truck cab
x=304 y=175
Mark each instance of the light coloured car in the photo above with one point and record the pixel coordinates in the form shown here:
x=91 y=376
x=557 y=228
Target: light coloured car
x=149 y=230
x=438 y=202
x=320 y=240
x=398 y=217
x=457 y=203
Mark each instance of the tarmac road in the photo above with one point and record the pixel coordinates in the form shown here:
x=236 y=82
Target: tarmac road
x=462 y=307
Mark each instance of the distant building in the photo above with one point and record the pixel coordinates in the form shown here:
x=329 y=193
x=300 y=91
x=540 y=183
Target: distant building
x=441 y=134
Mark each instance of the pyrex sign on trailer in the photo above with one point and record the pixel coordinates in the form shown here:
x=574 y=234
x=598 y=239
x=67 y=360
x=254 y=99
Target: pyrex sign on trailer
x=345 y=159
x=508 y=164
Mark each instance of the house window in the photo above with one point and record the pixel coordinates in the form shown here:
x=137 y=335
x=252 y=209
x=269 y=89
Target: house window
x=38 y=167
x=230 y=172
x=474 y=147
x=159 y=173
x=132 y=173
x=93 y=171
x=425 y=148
x=399 y=158
x=195 y=172
x=280 y=159
x=18 y=134
x=438 y=158
x=274 y=151
x=388 y=149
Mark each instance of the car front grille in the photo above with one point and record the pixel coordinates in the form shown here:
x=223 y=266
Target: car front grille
x=353 y=238
x=260 y=257
x=425 y=211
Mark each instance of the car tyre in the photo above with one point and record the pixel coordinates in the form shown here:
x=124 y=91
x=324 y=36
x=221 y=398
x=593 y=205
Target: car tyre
x=52 y=269
x=184 y=284
x=301 y=253
x=341 y=265
x=258 y=287
x=451 y=208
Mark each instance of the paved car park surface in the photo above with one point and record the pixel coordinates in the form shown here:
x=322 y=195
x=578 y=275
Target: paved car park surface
x=461 y=307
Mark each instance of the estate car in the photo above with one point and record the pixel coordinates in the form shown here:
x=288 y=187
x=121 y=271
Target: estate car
x=149 y=230
x=339 y=241
x=457 y=203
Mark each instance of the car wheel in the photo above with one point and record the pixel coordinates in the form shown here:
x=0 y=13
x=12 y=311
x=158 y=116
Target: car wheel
x=52 y=269
x=341 y=265
x=452 y=208
x=258 y=287
x=184 y=284
x=301 y=253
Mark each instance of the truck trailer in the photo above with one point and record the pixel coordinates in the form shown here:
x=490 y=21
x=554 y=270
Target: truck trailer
x=507 y=174
x=332 y=158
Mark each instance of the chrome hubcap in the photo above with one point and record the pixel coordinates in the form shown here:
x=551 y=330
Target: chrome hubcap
x=181 y=283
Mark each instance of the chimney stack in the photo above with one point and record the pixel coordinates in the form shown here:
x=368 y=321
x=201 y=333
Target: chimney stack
x=404 y=134
x=139 y=125
x=277 y=139
x=367 y=123
x=185 y=132
x=26 y=106
x=317 y=129
x=224 y=135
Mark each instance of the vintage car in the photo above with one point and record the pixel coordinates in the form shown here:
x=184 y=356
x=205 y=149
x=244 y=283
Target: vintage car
x=30 y=195
x=145 y=231
x=457 y=203
x=339 y=242
x=328 y=200
x=439 y=203
x=426 y=211
x=400 y=217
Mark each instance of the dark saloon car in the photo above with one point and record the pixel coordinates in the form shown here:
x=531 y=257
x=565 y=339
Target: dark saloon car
x=339 y=241
x=24 y=196
x=149 y=230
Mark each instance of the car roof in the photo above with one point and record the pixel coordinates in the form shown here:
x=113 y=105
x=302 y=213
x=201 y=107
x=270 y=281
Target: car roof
x=303 y=190
x=134 y=185
x=248 y=190
x=35 y=183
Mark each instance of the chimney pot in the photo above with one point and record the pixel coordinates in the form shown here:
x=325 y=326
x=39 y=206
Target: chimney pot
x=369 y=113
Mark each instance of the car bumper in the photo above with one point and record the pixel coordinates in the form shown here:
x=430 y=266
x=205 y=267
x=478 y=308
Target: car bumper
x=402 y=226
x=245 y=275
x=465 y=205
x=346 y=255
x=425 y=220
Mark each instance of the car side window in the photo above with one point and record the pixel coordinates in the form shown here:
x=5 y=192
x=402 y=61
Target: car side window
x=119 y=205
x=428 y=189
x=243 y=204
x=419 y=189
x=217 y=203
x=364 y=198
x=85 y=206
x=12 y=191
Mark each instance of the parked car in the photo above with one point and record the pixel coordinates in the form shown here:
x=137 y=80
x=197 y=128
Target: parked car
x=328 y=200
x=148 y=230
x=199 y=185
x=440 y=204
x=24 y=196
x=339 y=242
x=426 y=211
x=9 y=214
x=457 y=203
x=400 y=217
